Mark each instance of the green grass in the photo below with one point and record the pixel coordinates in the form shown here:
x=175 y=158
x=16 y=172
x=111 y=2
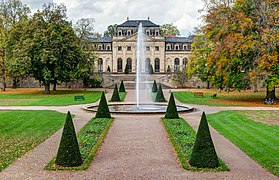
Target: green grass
x=90 y=138
x=21 y=131
x=183 y=137
x=57 y=98
x=258 y=140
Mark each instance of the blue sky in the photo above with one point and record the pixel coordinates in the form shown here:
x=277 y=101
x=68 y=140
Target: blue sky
x=182 y=13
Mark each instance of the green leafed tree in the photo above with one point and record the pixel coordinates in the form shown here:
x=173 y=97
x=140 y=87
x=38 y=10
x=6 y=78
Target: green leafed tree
x=111 y=30
x=204 y=154
x=169 y=30
x=154 y=87
x=171 y=112
x=115 y=95
x=68 y=153
x=160 y=95
x=103 y=110
x=122 y=87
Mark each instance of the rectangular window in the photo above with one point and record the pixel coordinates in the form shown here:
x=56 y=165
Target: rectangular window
x=157 y=48
x=147 y=48
x=129 y=48
x=119 y=48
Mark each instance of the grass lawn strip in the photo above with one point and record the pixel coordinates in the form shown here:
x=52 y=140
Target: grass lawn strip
x=90 y=138
x=182 y=137
x=56 y=98
x=21 y=131
x=257 y=140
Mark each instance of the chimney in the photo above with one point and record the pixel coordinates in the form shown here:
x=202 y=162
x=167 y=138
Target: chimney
x=127 y=18
x=148 y=18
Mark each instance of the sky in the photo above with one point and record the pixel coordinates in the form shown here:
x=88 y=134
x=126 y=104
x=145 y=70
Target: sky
x=182 y=13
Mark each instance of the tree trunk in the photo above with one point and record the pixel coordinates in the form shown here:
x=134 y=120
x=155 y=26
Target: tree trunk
x=15 y=81
x=270 y=93
x=208 y=85
x=47 y=88
x=3 y=86
x=54 y=86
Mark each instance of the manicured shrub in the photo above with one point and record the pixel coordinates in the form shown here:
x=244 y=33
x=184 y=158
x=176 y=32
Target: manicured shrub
x=169 y=69
x=154 y=87
x=115 y=95
x=103 y=110
x=126 y=71
x=204 y=154
x=160 y=95
x=68 y=153
x=151 y=71
x=108 y=69
x=122 y=87
x=171 y=112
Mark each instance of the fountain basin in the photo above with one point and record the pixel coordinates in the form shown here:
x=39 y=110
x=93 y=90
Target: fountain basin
x=143 y=108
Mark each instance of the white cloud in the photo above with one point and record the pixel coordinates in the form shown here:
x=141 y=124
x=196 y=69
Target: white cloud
x=183 y=13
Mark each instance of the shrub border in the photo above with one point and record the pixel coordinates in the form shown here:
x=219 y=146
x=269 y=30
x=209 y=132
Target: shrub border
x=182 y=158
x=90 y=156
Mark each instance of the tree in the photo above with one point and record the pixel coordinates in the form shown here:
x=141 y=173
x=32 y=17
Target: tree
x=111 y=30
x=180 y=77
x=68 y=153
x=115 y=95
x=11 y=12
x=204 y=154
x=171 y=112
x=103 y=110
x=126 y=71
x=160 y=95
x=169 y=30
x=154 y=87
x=84 y=28
x=122 y=87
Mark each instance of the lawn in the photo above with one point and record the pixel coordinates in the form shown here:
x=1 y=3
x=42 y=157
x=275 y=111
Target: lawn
x=243 y=98
x=21 y=131
x=258 y=140
x=36 y=97
x=183 y=138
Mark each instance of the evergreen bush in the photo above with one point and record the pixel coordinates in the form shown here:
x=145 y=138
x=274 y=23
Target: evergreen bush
x=115 y=95
x=68 y=153
x=169 y=69
x=204 y=154
x=154 y=87
x=160 y=95
x=151 y=71
x=108 y=69
x=103 y=110
x=126 y=71
x=122 y=87
x=171 y=112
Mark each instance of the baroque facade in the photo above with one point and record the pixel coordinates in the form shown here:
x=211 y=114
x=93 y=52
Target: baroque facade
x=164 y=54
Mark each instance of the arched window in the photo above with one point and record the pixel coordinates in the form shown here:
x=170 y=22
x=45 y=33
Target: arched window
x=176 y=63
x=119 y=33
x=184 y=63
x=119 y=65
x=129 y=63
x=100 y=65
x=147 y=65
x=157 y=65
x=129 y=33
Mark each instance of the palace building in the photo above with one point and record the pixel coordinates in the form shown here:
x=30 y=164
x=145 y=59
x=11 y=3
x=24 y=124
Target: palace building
x=164 y=54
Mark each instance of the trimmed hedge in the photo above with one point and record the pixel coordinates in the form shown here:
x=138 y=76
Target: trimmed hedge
x=68 y=153
x=204 y=154
x=108 y=69
x=126 y=71
x=160 y=95
x=115 y=95
x=103 y=110
x=171 y=112
x=154 y=87
x=122 y=87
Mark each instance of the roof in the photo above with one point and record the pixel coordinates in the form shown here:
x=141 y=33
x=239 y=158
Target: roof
x=102 y=40
x=179 y=39
x=135 y=23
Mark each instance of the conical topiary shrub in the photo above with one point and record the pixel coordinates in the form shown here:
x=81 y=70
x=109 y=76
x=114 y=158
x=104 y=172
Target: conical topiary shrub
x=126 y=71
x=171 y=112
x=68 y=153
x=108 y=69
x=154 y=87
x=204 y=154
x=151 y=71
x=115 y=95
x=160 y=95
x=122 y=87
x=103 y=110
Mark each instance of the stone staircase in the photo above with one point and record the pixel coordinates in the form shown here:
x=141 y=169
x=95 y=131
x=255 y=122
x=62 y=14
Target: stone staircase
x=130 y=80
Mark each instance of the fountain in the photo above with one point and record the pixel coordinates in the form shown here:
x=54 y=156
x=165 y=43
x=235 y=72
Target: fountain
x=139 y=107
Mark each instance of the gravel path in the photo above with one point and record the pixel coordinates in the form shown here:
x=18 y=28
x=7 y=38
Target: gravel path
x=136 y=147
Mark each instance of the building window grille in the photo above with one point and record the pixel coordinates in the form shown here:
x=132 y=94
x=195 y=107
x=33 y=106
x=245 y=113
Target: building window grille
x=147 y=48
x=157 y=48
x=129 y=48
x=119 y=48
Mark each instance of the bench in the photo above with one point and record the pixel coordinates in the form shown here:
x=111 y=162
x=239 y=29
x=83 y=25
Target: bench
x=198 y=93
x=79 y=98
x=214 y=96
